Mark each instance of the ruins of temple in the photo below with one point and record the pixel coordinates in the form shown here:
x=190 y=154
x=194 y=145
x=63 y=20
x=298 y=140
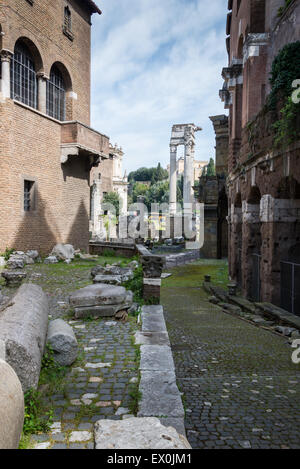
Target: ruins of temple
x=182 y=134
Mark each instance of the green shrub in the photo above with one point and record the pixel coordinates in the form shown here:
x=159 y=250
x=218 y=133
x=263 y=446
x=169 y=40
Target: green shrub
x=7 y=253
x=136 y=285
x=285 y=69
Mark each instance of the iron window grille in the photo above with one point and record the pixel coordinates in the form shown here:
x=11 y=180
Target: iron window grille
x=68 y=19
x=56 y=95
x=24 y=85
x=28 y=196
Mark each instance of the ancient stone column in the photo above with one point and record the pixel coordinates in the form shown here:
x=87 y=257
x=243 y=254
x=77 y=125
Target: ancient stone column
x=42 y=85
x=173 y=179
x=11 y=407
x=5 y=73
x=188 y=172
x=23 y=329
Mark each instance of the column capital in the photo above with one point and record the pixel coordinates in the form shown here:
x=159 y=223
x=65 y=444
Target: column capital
x=173 y=148
x=6 y=55
x=41 y=76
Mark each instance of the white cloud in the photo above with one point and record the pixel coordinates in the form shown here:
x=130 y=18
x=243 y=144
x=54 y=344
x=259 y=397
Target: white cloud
x=157 y=63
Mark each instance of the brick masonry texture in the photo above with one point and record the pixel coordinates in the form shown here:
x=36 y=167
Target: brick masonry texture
x=30 y=141
x=257 y=170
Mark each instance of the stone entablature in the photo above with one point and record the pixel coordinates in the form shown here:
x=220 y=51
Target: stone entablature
x=253 y=44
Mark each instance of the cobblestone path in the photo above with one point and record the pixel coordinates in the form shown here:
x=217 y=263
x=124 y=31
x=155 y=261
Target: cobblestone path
x=99 y=388
x=241 y=389
x=103 y=382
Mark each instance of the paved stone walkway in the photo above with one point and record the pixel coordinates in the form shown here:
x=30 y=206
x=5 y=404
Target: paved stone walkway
x=103 y=382
x=98 y=388
x=241 y=389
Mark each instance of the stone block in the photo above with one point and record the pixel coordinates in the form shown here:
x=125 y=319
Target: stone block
x=108 y=279
x=63 y=252
x=154 y=309
x=99 y=311
x=152 y=338
x=156 y=358
x=137 y=433
x=13 y=278
x=51 y=260
x=153 y=323
x=160 y=395
x=98 y=294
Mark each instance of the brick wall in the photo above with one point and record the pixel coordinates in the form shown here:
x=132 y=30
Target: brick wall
x=42 y=24
x=62 y=191
x=30 y=142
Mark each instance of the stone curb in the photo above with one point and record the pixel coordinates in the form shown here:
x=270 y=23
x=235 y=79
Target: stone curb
x=160 y=395
x=174 y=260
x=269 y=310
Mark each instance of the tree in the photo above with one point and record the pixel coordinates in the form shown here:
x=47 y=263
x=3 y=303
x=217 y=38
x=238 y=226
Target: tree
x=149 y=174
x=210 y=169
x=139 y=190
x=113 y=199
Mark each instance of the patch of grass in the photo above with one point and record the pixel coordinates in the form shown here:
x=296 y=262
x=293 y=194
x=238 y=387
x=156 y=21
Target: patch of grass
x=26 y=442
x=52 y=374
x=192 y=275
x=36 y=419
x=86 y=411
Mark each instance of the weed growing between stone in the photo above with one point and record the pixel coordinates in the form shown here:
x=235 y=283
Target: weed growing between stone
x=134 y=391
x=38 y=417
x=136 y=285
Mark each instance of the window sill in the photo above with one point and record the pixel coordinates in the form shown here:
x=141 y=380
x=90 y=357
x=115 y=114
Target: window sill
x=68 y=33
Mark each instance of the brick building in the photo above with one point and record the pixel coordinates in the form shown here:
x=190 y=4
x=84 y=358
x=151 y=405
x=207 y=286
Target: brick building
x=263 y=180
x=47 y=147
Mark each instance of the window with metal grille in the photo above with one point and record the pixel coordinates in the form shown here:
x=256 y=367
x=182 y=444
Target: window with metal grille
x=24 y=86
x=56 y=95
x=28 y=196
x=68 y=19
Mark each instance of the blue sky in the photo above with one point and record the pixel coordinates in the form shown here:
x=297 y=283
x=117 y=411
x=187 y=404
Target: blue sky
x=156 y=63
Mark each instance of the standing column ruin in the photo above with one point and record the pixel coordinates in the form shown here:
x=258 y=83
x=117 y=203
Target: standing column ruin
x=173 y=179
x=182 y=134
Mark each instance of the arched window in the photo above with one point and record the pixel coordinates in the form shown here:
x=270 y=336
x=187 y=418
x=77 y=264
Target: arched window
x=24 y=86
x=56 y=95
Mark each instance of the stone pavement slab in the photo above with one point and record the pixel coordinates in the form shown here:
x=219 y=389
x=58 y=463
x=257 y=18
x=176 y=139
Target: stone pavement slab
x=160 y=396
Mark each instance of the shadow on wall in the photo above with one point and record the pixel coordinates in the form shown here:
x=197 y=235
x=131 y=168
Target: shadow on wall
x=79 y=233
x=38 y=229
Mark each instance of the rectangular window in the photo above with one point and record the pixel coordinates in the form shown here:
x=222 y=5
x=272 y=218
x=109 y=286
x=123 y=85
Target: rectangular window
x=28 y=196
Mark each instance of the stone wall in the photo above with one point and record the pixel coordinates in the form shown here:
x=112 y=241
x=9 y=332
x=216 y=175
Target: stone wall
x=263 y=182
